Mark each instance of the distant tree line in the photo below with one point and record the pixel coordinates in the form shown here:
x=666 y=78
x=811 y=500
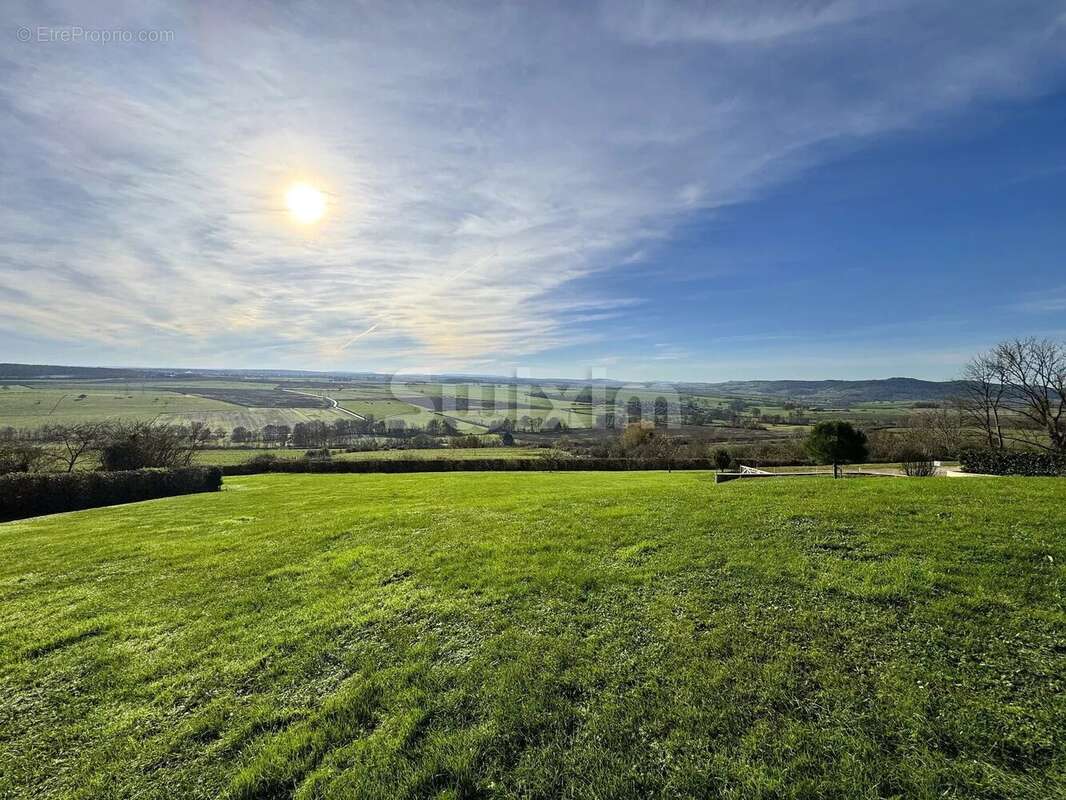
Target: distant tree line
x=116 y=445
x=741 y=414
x=635 y=442
x=344 y=433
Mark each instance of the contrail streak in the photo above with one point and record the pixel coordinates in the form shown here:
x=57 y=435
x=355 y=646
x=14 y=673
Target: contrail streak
x=476 y=265
x=371 y=329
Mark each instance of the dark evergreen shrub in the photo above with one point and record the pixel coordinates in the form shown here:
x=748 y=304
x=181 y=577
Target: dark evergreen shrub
x=1009 y=462
x=31 y=494
x=471 y=465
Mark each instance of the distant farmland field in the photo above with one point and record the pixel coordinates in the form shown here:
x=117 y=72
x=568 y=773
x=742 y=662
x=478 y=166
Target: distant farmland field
x=256 y=398
x=35 y=407
x=469 y=407
x=382 y=408
x=28 y=408
x=254 y=417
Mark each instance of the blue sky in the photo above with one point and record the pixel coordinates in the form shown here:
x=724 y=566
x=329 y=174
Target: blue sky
x=646 y=190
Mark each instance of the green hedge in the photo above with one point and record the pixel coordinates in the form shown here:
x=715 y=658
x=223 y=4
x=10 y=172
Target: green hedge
x=1007 y=462
x=30 y=494
x=467 y=465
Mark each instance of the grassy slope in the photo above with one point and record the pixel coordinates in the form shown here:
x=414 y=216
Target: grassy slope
x=540 y=635
x=381 y=408
x=34 y=407
x=55 y=402
x=254 y=417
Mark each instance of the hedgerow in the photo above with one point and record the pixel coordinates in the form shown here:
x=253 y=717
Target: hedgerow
x=30 y=494
x=467 y=465
x=1008 y=462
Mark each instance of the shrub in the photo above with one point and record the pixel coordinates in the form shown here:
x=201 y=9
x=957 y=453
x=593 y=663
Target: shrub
x=262 y=460
x=423 y=441
x=363 y=444
x=17 y=456
x=470 y=442
x=917 y=464
x=33 y=494
x=1008 y=462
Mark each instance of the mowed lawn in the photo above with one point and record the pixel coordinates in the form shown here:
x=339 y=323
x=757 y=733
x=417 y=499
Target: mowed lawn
x=540 y=635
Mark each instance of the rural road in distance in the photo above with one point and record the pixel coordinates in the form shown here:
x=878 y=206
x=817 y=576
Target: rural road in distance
x=335 y=405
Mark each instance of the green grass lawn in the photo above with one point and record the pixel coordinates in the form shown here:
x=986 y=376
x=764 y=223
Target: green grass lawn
x=540 y=635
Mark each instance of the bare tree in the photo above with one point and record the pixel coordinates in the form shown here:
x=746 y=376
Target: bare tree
x=918 y=465
x=984 y=397
x=1034 y=372
x=136 y=445
x=76 y=440
x=199 y=436
x=940 y=432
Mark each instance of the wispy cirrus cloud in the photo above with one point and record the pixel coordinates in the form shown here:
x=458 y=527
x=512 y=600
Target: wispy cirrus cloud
x=478 y=161
x=731 y=21
x=1049 y=301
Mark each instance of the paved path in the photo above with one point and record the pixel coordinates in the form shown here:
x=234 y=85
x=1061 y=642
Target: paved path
x=333 y=403
x=955 y=473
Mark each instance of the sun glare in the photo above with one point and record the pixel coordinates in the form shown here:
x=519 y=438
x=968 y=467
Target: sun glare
x=306 y=203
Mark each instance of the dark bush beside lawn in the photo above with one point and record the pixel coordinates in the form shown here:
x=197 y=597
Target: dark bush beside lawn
x=31 y=494
x=256 y=466
x=1006 y=462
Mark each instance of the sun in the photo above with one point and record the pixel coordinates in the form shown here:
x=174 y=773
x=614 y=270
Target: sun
x=306 y=203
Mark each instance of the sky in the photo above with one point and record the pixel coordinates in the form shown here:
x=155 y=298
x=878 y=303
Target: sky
x=694 y=191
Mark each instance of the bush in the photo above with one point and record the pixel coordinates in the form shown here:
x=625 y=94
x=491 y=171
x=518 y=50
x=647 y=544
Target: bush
x=263 y=460
x=1008 y=462
x=20 y=457
x=423 y=441
x=917 y=464
x=363 y=444
x=469 y=442
x=33 y=494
